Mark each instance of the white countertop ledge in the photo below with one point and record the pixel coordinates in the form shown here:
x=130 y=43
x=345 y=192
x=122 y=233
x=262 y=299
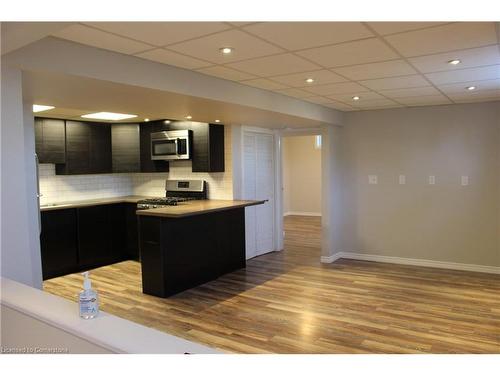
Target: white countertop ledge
x=108 y=331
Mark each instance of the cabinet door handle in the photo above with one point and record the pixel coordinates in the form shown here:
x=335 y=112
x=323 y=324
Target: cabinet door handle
x=152 y=242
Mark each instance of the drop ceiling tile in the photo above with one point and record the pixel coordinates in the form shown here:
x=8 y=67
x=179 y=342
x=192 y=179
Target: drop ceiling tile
x=301 y=35
x=465 y=75
x=339 y=106
x=425 y=100
x=226 y=73
x=444 y=38
x=408 y=93
x=395 y=82
x=470 y=58
x=100 y=39
x=460 y=88
x=385 y=28
x=374 y=103
x=241 y=24
x=161 y=33
x=364 y=96
x=359 y=52
x=480 y=96
x=338 y=88
x=274 y=65
x=299 y=79
x=173 y=58
x=264 y=83
x=208 y=47
x=377 y=70
x=319 y=100
x=296 y=93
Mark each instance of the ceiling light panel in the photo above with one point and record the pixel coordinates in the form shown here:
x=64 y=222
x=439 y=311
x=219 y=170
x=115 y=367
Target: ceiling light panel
x=161 y=33
x=469 y=58
x=208 y=47
x=294 y=36
x=40 y=108
x=444 y=38
x=109 y=116
x=101 y=39
x=360 y=52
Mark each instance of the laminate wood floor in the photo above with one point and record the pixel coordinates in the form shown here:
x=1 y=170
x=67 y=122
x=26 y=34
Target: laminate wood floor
x=288 y=302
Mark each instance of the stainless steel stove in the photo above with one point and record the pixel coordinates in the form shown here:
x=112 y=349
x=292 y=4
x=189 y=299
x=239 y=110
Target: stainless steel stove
x=176 y=191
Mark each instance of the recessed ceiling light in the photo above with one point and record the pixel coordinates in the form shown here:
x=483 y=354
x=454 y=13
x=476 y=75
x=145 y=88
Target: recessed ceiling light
x=470 y=88
x=454 y=62
x=166 y=122
x=108 y=116
x=226 y=50
x=41 y=108
x=189 y=117
x=356 y=98
x=310 y=80
x=217 y=120
x=146 y=120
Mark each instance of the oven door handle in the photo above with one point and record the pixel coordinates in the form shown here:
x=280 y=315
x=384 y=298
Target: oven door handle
x=177 y=145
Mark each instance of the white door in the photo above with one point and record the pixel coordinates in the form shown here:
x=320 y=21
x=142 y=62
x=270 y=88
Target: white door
x=258 y=184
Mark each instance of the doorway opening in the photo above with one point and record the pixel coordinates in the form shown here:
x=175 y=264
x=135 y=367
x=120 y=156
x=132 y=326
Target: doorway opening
x=301 y=194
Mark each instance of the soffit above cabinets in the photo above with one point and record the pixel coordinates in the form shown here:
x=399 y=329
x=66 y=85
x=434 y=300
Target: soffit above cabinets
x=381 y=62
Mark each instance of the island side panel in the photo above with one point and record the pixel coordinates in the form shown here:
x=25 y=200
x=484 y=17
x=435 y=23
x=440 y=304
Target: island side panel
x=194 y=250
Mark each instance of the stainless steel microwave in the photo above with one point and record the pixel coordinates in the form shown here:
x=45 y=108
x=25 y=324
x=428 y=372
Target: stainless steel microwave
x=171 y=145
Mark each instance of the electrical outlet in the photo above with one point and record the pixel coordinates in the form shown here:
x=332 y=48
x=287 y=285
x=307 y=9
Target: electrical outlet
x=432 y=180
x=402 y=179
x=373 y=179
x=465 y=180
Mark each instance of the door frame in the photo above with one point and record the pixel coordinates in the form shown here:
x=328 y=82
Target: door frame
x=277 y=239
x=290 y=132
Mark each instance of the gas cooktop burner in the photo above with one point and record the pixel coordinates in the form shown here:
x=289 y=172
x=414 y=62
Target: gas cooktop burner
x=176 y=191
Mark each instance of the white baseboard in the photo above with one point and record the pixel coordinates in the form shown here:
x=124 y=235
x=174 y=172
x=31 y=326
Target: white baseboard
x=412 y=262
x=301 y=213
x=331 y=258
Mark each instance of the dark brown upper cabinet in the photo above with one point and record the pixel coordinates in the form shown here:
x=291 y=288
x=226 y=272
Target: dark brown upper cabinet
x=208 y=147
x=50 y=142
x=125 y=151
x=88 y=148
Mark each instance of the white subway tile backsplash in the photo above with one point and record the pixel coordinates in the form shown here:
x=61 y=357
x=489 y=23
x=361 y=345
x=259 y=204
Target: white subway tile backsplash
x=80 y=187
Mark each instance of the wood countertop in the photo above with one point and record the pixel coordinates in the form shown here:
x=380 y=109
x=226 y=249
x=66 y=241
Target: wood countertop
x=92 y=202
x=200 y=207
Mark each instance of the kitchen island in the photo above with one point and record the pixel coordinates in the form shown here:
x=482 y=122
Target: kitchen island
x=190 y=244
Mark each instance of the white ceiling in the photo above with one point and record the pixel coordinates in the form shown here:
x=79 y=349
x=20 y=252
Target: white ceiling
x=386 y=64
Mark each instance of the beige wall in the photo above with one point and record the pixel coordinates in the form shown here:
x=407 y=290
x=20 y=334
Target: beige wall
x=301 y=175
x=444 y=222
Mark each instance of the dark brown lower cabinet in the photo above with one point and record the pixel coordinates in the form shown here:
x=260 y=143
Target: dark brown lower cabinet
x=58 y=242
x=181 y=253
x=77 y=239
